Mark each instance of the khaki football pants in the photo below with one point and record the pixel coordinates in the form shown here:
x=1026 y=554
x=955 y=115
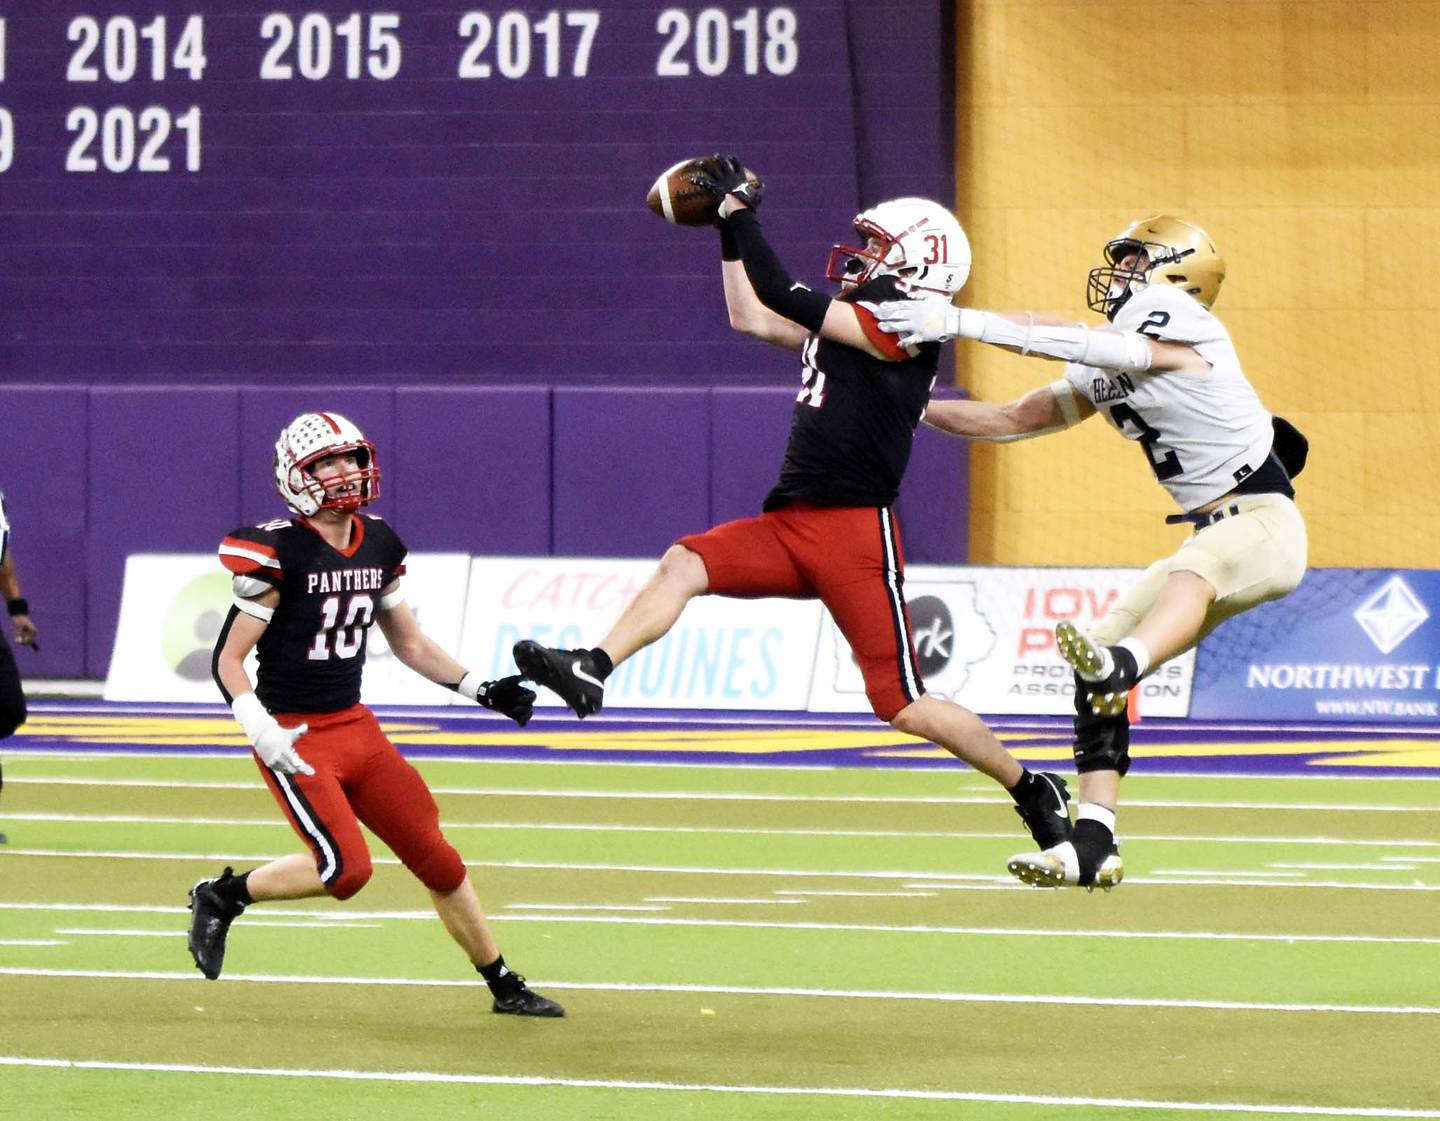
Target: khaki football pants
x=1252 y=557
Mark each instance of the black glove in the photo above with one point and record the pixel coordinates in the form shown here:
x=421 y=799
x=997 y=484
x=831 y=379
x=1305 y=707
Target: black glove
x=508 y=697
x=725 y=175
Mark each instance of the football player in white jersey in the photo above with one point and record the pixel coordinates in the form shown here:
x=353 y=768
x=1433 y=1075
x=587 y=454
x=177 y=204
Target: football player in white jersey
x=1164 y=373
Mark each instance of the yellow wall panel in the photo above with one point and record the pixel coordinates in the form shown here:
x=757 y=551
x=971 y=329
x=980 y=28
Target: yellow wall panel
x=1302 y=135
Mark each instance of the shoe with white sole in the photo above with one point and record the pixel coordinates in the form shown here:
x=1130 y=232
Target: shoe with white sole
x=1060 y=867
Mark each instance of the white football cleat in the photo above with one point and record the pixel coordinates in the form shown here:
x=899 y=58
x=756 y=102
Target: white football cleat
x=1110 y=872
x=1054 y=867
x=1060 y=867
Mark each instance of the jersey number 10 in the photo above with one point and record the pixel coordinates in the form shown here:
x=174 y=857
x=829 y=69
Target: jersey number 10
x=347 y=639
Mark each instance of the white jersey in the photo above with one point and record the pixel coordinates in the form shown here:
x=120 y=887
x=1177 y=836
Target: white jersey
x=1203 y=432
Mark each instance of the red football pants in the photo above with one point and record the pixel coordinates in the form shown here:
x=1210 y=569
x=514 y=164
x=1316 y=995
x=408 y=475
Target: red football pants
x=361 y=777
x=849 y=558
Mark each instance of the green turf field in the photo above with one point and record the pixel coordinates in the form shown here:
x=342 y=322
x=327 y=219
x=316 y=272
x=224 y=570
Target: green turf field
x=730 y=943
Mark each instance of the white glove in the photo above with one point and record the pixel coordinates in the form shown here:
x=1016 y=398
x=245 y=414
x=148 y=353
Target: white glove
x=275 y=745
x=921 y=319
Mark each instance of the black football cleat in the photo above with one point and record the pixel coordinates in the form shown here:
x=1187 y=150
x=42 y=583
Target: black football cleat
x=521 y=1000
x=1048 y=816
x=570 y=674
x=210 y=917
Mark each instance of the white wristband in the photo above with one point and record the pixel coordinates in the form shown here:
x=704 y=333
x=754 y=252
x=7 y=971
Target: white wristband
x=250 y=714
x=470 y=685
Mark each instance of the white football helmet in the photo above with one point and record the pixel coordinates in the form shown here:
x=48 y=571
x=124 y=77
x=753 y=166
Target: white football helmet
x=915 y=239
x=311 y=437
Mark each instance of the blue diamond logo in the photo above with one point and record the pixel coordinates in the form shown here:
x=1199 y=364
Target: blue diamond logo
x=1391 y=615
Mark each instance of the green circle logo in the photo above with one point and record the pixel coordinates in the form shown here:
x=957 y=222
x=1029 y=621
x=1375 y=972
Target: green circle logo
x=192 y=624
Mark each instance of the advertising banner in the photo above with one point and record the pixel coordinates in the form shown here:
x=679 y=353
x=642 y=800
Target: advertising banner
x=985 y=638
x=1347 y=644
x=722 y=654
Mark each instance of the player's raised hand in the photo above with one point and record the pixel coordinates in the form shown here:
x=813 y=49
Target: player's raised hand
x=726 y=175
x=508 y=696
x=921 y=319
x=276 y=748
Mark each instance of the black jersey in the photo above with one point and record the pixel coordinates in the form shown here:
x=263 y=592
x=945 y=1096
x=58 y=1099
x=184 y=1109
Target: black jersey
x=855 y=416
x=313 y=650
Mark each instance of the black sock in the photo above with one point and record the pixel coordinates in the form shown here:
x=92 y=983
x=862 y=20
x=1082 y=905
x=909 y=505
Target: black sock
x=1093 y=842
x=604 y=667
x=498 y=976
x=1127 y=669
x=1027 y=789
x=235 y=889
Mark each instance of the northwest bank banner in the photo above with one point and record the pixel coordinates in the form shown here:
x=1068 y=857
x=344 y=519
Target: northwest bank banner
x=1347 y=644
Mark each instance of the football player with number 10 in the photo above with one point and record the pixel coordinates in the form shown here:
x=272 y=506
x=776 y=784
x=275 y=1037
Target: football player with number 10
x=306 y=591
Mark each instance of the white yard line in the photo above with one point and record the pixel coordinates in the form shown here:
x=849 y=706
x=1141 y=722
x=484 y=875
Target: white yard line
x=934 y=878
x=348 y=917
x=727 y=830
x=445 y=1078
x=1392 y=866
x=857 y=894
x=719 y=796
x=288 y=924
x=1051 y=999
x=771 y=902
x=577 y=907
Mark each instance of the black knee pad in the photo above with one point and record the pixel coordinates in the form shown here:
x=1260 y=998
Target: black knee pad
x=1102 y=743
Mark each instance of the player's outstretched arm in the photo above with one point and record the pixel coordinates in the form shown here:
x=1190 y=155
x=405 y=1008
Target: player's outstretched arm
x=1047 y=409
x=934 y=319
x=421 y=653
x=242 y=630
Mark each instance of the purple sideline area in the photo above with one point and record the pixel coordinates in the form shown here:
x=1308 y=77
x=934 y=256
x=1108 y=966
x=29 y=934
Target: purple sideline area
x=488 y=470
x=1158 y=746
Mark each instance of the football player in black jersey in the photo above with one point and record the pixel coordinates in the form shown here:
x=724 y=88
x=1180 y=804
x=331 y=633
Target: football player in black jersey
x=827 y=530
x=306 y=591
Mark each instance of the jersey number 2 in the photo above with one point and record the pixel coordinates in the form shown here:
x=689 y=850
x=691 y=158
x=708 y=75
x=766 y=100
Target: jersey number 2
x=1166 y=466
x=347 y=639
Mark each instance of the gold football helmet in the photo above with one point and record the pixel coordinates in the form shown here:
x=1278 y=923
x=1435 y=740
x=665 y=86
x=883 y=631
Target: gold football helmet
x=1174 y=252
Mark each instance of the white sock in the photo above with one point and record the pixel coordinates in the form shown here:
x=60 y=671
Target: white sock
x=1139 y=652
x=1094 y=811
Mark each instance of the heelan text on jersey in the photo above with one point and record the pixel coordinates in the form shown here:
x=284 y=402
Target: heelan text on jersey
x=1112 y=389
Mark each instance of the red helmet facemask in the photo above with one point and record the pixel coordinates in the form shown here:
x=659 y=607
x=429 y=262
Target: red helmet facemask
x=365 y=479
x=853 y=267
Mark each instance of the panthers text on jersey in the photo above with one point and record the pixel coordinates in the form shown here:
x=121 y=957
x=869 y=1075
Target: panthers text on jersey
x=1204 y=433
x=313 y=649
x=855 y=417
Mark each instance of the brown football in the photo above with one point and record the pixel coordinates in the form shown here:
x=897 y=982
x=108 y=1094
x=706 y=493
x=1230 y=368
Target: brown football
x=676 y=199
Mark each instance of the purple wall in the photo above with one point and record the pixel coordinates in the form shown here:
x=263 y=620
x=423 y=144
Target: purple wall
x=426 y=228
x=576 y=470
x=458 y=264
